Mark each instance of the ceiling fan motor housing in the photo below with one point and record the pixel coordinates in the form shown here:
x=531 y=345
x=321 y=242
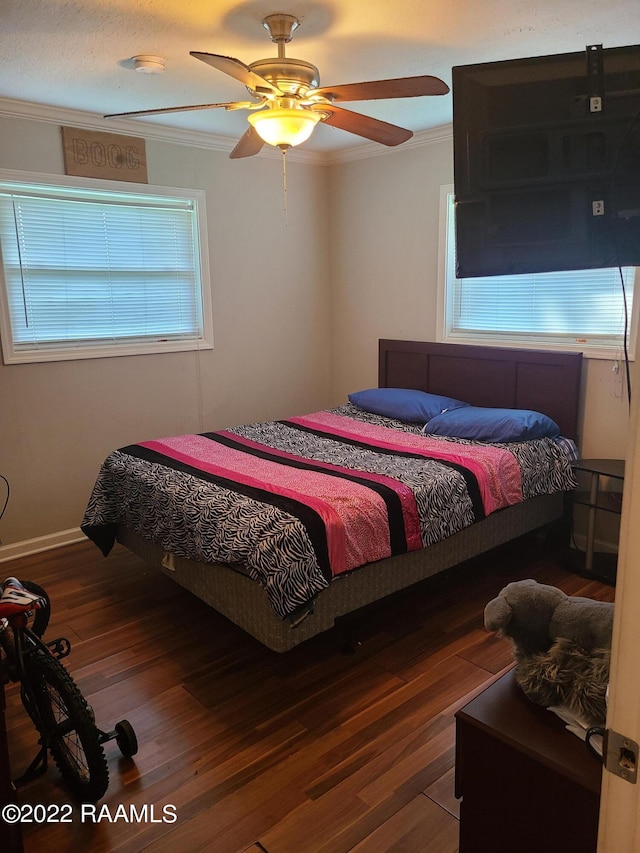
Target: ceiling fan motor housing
x=293 y=76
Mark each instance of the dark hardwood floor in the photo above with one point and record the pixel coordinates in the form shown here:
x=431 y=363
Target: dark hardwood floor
x=313 y=750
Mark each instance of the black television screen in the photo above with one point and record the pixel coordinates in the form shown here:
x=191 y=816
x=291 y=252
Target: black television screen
x=547 y=162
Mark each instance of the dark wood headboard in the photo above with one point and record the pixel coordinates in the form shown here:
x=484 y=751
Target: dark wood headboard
x=544 y=381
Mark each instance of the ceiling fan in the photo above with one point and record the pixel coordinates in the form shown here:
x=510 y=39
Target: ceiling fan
x=288 y=101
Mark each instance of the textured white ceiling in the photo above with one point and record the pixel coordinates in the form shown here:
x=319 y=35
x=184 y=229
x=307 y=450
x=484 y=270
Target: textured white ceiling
x=76 y=54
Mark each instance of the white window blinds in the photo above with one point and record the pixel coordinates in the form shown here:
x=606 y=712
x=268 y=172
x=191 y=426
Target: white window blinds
x=93 y=270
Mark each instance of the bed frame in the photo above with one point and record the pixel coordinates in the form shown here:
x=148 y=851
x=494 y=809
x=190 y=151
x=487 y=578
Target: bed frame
x=483 y=376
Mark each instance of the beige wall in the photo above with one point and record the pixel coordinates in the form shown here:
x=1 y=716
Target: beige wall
x=299 y=304
x=384 y=238
x=271 y=327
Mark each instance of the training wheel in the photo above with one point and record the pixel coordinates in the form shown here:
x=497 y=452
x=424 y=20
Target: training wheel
x=126 y=738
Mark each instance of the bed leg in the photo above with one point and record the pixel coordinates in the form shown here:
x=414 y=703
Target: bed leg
x=349 y=643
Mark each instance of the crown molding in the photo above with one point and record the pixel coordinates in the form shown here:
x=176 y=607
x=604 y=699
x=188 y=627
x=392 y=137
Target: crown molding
x=163 y=133
x=157 y=132
x=442 y=133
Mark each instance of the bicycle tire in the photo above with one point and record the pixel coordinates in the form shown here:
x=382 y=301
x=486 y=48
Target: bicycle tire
x=66 y=723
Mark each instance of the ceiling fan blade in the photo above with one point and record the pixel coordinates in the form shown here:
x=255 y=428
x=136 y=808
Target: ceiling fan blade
x=248 y=145
x=371 y=128
x=402 y=87
x=238 y=70
x=170 y=110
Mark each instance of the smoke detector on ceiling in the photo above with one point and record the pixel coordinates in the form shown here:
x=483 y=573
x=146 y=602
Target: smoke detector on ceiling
x=146 y=64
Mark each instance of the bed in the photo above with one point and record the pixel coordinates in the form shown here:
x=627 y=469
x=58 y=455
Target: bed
x=289 y=568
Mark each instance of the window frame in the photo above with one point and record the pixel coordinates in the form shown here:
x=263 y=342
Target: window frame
x=12 y=354
x=446 y=254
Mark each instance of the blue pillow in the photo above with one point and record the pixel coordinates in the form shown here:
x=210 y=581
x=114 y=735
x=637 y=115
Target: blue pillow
x=403 y=404
x=497 y=425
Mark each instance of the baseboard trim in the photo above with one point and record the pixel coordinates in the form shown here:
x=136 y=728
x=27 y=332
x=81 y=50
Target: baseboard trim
x=40 y=543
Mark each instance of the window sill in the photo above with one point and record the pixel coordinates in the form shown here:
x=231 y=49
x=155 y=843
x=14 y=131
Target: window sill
x=76 y=353
x=609 y=353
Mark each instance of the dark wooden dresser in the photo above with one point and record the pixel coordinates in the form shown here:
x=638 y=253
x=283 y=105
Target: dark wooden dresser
x=527 y=785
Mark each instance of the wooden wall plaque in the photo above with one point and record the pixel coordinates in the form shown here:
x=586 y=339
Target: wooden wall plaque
x=91 y=154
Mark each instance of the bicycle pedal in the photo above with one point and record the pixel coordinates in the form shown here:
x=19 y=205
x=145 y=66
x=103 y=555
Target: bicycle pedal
x=59 y=648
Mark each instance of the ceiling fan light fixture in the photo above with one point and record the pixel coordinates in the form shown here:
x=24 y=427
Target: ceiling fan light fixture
x=284 y=128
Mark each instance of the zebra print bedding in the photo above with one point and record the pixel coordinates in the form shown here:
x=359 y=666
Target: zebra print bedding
x=300 y=501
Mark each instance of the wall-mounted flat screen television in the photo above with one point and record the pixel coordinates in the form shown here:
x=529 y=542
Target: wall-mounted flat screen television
x=547 y=162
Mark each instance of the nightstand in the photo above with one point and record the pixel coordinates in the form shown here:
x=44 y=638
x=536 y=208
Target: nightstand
x=526 y=783
x=596 y=501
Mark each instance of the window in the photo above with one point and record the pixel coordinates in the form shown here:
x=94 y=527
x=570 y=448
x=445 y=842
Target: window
x=90 y=270
x=582 y=310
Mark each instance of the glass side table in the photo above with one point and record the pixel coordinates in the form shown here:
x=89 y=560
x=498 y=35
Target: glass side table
x=597 y=500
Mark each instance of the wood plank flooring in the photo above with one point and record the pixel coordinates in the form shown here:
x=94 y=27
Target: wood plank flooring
x=313 y=750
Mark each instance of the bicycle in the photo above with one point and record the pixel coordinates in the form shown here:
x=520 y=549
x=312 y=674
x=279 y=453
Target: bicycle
x=64 y=720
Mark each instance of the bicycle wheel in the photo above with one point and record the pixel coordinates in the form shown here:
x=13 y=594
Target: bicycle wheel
x=66 y=723
x=126 y=738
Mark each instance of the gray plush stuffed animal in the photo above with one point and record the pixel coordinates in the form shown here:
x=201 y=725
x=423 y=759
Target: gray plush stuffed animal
x=561 y=643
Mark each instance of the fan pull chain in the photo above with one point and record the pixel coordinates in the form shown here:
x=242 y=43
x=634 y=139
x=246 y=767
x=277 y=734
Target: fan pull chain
x=284 y=188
